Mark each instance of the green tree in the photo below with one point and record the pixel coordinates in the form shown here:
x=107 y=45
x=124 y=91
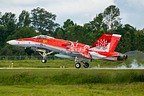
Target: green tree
x=59 y=33
x=7 y=26
x=131 y=30
x=9 y=21
x=9 y=50
x=89 y=33
x=23 y=33
x=64 y=32
x=68 y=23
x=43 y=21
x=111 y=17
x=0 y=18
x=97 y=23
x=127 y=43
x=3 y=30
x=24 y=19
x=8 y=18
x=138 y=40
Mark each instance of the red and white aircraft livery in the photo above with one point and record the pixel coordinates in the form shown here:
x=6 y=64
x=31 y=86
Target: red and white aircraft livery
x=103 y=48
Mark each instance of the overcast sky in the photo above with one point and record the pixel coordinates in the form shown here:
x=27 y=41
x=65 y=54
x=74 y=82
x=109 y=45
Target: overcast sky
x=80 y=11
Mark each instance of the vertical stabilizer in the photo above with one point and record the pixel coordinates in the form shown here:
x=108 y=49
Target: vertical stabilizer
x=114 y=41
x=106 y=43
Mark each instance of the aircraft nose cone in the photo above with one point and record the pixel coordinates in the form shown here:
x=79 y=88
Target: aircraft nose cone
x=12 y=42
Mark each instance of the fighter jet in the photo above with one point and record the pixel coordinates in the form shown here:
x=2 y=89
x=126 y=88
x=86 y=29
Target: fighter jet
x=103 y=48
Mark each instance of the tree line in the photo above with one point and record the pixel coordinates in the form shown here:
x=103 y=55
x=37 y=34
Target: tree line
x=40 y=21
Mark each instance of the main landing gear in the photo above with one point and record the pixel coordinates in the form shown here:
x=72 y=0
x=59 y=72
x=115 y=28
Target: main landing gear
x=44 y=55
x=78 y=65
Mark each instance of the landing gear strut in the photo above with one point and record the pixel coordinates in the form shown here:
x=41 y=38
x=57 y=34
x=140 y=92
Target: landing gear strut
x=78 y=65
x=44 y=55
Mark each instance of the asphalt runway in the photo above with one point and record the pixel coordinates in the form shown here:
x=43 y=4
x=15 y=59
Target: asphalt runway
x=73 y=68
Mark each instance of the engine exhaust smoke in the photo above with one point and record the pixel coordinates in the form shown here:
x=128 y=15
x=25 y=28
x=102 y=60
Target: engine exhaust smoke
x=134 y=64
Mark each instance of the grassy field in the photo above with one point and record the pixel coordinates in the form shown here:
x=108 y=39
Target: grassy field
x=68 y=76
x=67 y=63
x=133 y=89
x=71 y=82
x=68 y=82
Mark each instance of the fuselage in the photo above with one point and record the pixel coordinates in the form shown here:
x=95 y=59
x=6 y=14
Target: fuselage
x=65 y=47
x=103 y=48
x=62 y=46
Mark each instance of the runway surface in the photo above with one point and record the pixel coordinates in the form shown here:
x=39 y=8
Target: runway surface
x=73 y=68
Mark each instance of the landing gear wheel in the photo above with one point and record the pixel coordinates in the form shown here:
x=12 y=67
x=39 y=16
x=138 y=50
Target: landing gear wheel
x=44 y=61
x=77 y=65
x=86 y=65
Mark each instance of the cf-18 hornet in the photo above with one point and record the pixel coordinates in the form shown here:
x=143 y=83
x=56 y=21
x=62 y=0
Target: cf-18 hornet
x=103 y=48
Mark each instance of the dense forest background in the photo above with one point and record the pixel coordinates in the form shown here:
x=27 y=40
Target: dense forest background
x=40 y=21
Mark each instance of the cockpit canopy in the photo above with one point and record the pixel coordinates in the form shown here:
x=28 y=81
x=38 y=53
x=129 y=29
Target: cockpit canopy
x=42 y=37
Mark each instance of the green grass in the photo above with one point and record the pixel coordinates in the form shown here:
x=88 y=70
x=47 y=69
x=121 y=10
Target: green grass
x=68 y=76
x=36 y=63
x=133 y=89
x=68 y=82
x=68 y=63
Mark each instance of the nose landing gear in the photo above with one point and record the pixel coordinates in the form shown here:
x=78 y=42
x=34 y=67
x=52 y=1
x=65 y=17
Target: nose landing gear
x=44 y=54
